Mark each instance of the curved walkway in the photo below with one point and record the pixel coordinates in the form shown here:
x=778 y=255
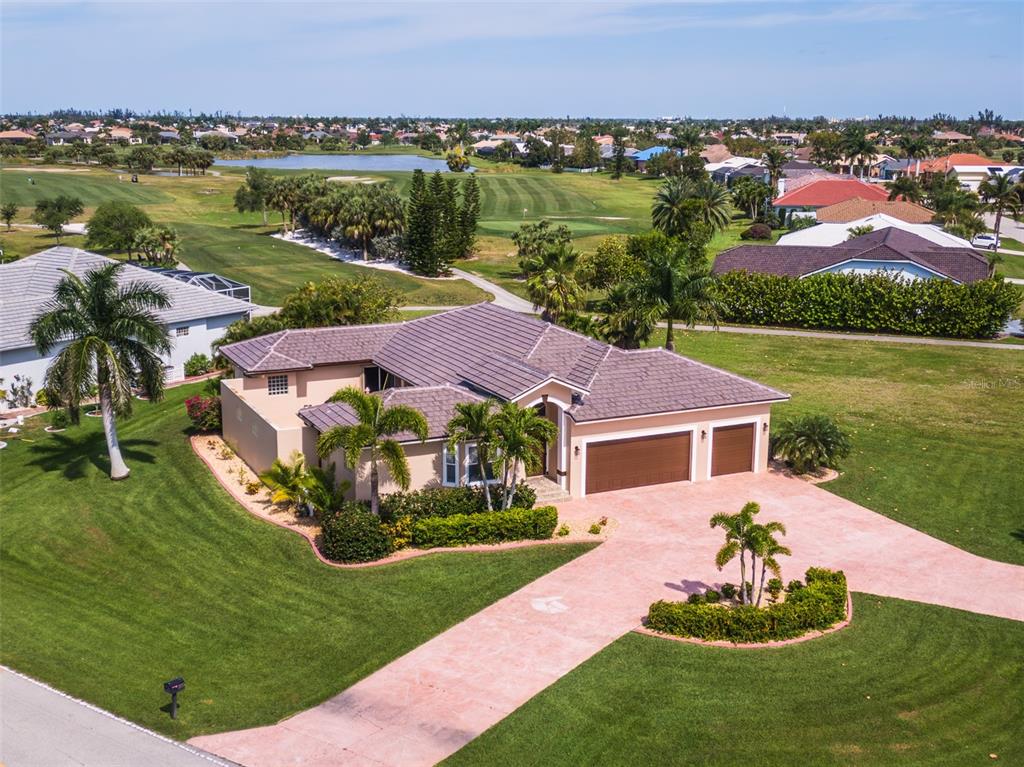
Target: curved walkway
x=502 y=297
x=435 y=699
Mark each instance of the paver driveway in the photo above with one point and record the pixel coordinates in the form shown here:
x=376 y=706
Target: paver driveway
x=430 y=702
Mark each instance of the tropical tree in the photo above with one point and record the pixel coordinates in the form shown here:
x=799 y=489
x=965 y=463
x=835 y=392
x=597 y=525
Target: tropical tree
x=254 y=193
x=810 y=442
x=627 y=321
x=752 y=196
x=374 y=432
x=114 y=225
x=774 y=158
x=520 y=434
x=916 y=147
x=738 y=529
x=285 y=480
x=905 y=187
x=680 y=201
x=8 y=211
x=474 y=422
x=858 y=148
x=552 y=284
x=112 y=339
x=157 y=244
x=1000 y=195
x=54 y=214
x=765 y=546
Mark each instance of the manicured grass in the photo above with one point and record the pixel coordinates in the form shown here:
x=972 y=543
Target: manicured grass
x=274 y=267
x=18 y=242
x=1011 y=244
x=92 y=186
x=905 y=684
x=935 y=430
x=109 y=589
x=1010 y=265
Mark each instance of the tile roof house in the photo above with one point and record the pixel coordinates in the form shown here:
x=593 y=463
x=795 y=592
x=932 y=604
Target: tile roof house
x=196 y=317
x=837 y=233
x=858 y=208
x=970 y=169
x=891 y=250
x=611 y=406
x=828 y=191
x=16 y=136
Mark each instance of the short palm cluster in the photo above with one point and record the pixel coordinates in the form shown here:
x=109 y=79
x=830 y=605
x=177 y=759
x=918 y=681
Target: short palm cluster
x=744 y=536
x=810 y=442
x=315 y=489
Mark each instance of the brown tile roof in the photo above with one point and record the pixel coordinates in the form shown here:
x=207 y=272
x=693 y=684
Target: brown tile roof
x=944 y=164
x=829 y=191
x=304 y=349
x=889 y=244
x=858 y=208
x=437 y=403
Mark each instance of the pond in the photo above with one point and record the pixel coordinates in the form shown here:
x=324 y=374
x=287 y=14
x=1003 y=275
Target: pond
x=350 y=162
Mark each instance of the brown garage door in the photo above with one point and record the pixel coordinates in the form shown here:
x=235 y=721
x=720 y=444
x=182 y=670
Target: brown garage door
x=635 y=462
x=732 y=449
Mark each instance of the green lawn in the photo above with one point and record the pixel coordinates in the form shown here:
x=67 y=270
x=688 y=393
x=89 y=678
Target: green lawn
x=935 y=430
x=905 y=684
x=1010 y=265
x=92 y=186
x=274 y=268
x=1011 y=244
x=109 y=589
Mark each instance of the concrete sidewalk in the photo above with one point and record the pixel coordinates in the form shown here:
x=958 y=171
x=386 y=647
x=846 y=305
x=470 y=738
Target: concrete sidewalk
x=432 y=701
x=41 y=727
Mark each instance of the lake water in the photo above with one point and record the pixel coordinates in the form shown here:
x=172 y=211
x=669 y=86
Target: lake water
x=347 y=162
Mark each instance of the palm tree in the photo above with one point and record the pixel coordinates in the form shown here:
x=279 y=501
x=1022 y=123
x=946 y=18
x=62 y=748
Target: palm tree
x=905 y=187
x=285 y=480
x=915 y=147
x=858 y=147
x=678 y=289
x=324 y=494
x=715 y=204
x=762 y=543
x=773 y=159
x=519 y=436
x=627 y=322
x=737 y=540
x=113 y=338
x=1000 y=195
x=551 y=282
x=474 y=422
x=377 y=425
x=680 y=200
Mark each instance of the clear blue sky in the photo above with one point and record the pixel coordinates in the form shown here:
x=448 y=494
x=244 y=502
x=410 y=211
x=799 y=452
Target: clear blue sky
x=702 y=59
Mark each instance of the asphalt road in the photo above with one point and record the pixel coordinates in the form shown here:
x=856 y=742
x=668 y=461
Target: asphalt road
x=40 y=727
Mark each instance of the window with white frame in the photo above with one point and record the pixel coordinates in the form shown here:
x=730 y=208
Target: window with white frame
x=451 y=466
x=277 y=384
x=473 y=473
x=181 y=331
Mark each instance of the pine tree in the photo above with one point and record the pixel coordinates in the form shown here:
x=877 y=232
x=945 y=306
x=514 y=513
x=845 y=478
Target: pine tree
x=446 y=222
x=419 y=233
x=469 y=214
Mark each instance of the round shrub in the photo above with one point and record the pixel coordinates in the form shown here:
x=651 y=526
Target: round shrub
x=711 y=596
x=60 y=419
x=729 y=590
x=810 y=442
x=757 y=232
x=794 y=585
x=695 y=599
x=774 y=587
x=197 y=365
x=354 y=534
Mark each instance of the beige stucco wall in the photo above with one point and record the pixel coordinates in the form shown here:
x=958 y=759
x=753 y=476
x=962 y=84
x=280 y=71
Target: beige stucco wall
x=698 y=421
x=257 y=439
x=424 y=469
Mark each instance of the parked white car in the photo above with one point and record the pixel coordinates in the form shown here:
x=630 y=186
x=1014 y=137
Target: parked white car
x=985 y=242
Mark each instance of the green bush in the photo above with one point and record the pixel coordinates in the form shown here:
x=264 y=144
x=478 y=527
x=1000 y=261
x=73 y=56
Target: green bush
x=449 y=501
x=695 y=599
x=488 y=527
x=816 y=607
x=774 y=587
x=353 y=534
x=757 y=232
x=60 y=419
x=729 y=590
x=711 y=596
x=594 y=529
x=874 y=303
x=197 y=365
x=794 y=585
x=810 y=442
x=563 y=530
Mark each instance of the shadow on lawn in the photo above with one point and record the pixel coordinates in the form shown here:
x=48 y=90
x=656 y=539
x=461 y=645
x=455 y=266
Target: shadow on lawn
x=70 y=455
x=1018 y=534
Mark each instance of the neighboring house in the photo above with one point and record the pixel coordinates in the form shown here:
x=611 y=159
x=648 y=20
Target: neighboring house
x=950 y=137
x=624 y=418
x=119 y=133
x=729 y=175
x=715 y=153
x=16 y=137
x=789 y=139
x=827 y=191
x=607 y=152
x=196 y=317
x=66 y=137
x=227 y=135
x=969 y=169
x=890 y=250
x=168 y=136
x=872 y=169
x=834 y=234
x=641 y=157
x=892 y=169
x=858 y=208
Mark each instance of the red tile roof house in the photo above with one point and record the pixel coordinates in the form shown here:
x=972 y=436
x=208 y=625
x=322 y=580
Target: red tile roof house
x=891 y=250
x=624 y=418
x=828 y=191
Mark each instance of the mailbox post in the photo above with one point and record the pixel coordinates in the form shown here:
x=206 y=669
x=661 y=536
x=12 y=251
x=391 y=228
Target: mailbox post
x=174 y=686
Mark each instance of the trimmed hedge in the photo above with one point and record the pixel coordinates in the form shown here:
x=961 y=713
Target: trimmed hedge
x=354 y=534
x=449 y=501
x=816 y=607
x=489 y=527
x=875 y=303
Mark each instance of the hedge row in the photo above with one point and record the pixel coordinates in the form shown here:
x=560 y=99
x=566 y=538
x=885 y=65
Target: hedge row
x=870 y=303
x=816 y=607
x=449 y=501
x=491 y=527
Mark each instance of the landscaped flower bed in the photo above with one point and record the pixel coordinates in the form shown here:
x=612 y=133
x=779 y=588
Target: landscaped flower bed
x=817 y=606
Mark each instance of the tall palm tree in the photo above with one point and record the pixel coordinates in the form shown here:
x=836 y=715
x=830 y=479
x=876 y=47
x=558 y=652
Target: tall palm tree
x=905 y=187
x=678 y=289
x=773 y=159
x=474 y=422
x=113 y=339
x=519 y=436
x=738 y=529
x=858 y=147
x=1000 y=195
x=916 y=147
x=375 y=431
x=552 y=282
x=762 y=543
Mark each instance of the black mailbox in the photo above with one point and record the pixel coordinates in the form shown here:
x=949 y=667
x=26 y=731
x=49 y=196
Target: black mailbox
x=175 y=685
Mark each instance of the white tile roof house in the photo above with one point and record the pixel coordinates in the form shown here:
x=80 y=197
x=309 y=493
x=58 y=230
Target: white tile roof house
x=196 y=317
